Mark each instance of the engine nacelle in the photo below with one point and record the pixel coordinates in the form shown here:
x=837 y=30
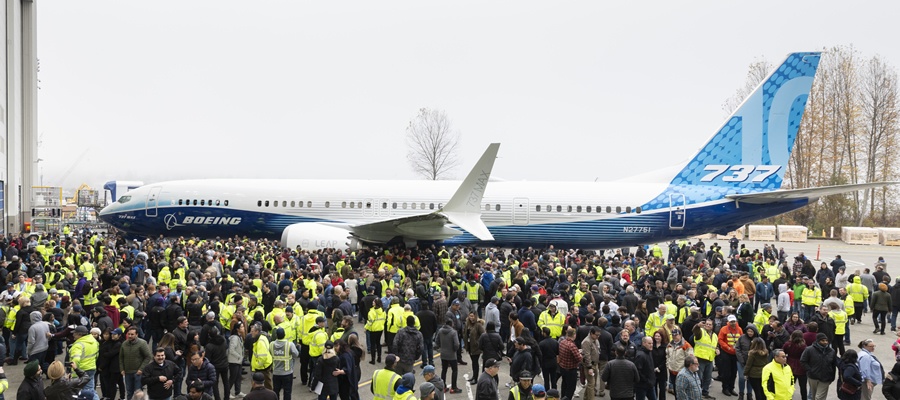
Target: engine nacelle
x=316 y=236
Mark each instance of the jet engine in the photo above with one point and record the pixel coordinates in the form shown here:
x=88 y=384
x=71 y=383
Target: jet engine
x=316 y=236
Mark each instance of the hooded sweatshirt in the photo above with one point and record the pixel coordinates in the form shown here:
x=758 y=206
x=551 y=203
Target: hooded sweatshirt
x=742 y=348
x=784 y=298
x=37 y=334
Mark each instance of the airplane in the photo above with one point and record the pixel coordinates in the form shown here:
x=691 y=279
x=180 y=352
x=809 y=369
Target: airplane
x=733 y=180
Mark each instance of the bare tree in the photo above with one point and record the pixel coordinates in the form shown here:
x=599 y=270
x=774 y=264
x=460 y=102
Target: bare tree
x=432 y=144
x=759 y=70
x=878 y=95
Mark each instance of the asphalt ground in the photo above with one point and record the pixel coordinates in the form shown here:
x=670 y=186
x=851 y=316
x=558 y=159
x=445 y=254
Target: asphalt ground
x=854 y=255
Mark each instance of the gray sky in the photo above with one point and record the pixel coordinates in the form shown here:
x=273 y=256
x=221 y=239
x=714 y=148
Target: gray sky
x=160 y=90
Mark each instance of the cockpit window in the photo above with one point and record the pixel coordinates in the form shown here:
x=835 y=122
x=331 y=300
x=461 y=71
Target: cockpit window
x=124 y=199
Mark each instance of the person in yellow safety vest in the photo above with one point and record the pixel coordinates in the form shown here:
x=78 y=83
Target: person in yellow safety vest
x=656 y=251
x=165 y=273
x=859 y=294
x=811 y=298
x=375 y=326
x=277 y=310
x=394 y=323
x=777 y=377
x=254 y=308
x=771 y=270
x=655 y=321
x=344 y=331
x=523 y=387
x=307 y=322
x=580 y=292
x=840 y=325
x=261 y=356
x=67 y=230
x=406 y=389
x=283 y=353
x=762 y=317
x=84 y=353
x=318 y=338
x=385 y=382
x=87 y=269
x=90 y=297
x=287 y=327
x=407 y=312
x=228 y=311
x=552 y=319
x=706 y=350
x=475 y=293
x=849 y=305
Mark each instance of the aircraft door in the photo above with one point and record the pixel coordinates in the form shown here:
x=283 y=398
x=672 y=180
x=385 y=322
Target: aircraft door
x=368 y=207
x=677 y=211
x=520 y=215
x=152 y=201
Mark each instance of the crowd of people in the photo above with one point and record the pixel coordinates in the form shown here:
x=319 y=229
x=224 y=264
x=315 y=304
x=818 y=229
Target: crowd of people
x=168 y=318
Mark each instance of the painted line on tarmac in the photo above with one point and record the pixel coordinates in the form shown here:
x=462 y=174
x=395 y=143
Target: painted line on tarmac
x=366 y=383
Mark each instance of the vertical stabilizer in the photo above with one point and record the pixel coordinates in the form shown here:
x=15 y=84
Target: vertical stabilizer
x=750 y=151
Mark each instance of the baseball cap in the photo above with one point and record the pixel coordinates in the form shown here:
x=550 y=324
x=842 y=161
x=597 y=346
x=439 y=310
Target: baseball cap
x=553 y=393
x=538 y=390
x=490 y=362
x=732 y=318
x=429 y=369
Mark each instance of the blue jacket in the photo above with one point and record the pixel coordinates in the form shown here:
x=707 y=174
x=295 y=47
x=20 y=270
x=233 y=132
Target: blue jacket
x=526 y=317
x=764 y=290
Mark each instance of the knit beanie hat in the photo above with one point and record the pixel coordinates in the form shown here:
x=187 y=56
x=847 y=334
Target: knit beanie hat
x=31 y=369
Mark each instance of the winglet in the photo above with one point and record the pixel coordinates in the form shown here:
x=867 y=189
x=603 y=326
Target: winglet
x=464 y=208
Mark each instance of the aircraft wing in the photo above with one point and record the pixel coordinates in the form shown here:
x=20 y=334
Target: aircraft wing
x=463 y=210
x=808 y=193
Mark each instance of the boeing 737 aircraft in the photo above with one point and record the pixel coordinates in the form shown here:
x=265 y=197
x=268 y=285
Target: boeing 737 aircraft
x=734 y=179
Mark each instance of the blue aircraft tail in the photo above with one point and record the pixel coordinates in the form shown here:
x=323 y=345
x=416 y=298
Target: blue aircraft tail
x=750 y=151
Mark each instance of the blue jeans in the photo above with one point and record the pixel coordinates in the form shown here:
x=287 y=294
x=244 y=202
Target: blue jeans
x=428 y=352
x=88 y=389
x=18 y=347
x=894 y=319
x=741 y=380
x=132 y=384
x=705 y=372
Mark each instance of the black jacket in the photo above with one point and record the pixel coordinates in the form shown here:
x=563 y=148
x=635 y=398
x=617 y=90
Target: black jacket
x=109 y=356
x=819 y=362
x=487 y=387
x=891 y=387
x=549 y=350
x=621 y=377
x=895 y=296
x=32 y=389
x=643 y=360
x=491 y=345
x=217 y=352
x=67 y=389
x=429 y=324
x=150 y=377
x=206 y=374
x=521 y=361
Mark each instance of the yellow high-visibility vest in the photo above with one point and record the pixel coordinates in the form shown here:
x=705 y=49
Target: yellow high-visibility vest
x=705 y=346
x=261 y=358
x=383 y=381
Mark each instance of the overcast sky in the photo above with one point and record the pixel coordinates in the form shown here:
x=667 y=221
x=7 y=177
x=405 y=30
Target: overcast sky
x=160 y=90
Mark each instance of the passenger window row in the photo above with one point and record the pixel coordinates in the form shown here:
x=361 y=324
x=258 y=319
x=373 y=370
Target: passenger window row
x=588 y=209
x=201 y=202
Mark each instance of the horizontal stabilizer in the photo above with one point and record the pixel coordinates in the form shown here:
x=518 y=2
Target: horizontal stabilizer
x=808 y=193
